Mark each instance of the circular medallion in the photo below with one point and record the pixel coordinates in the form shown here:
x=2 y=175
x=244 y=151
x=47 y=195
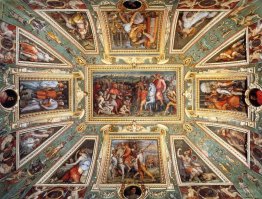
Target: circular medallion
x=8 y=98
x=7 y=43
x=132 y=5
x=207 y=3
x=55 y=3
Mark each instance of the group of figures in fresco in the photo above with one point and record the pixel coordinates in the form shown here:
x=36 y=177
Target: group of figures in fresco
x=134 y=161
x=38 y=96
x=223 y=95
x=134 y=30
x=140 y=94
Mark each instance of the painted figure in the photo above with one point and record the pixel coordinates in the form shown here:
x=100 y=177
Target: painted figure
x=76 y=168
x=189 y=24
x=193 y=169
x=80 y=168
x=32 y=53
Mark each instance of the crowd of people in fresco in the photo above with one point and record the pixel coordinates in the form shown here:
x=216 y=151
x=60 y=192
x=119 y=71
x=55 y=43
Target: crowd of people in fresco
x=149 y=94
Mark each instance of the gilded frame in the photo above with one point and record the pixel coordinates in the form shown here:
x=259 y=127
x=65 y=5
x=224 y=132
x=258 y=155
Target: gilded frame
x=106 y=34
x=223 y=75
x=45 y=114
x=225 y=181
x=204 y=62
x=232 y=150
x=214 y=21
x=178 y=118
x=51 y=171
x=146 y=134
x=21 y=162
x=67 y=35
x=64 y=64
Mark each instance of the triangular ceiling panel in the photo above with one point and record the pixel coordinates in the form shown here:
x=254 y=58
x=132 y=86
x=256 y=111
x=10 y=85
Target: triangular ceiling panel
x=31 y=141
x=256 y=152
x=53 y=4
x=32 y=52
x=8 y=154
x=189 y=26
x=192 y=167
x=75 y=25
x=255 y=42
x=233 y=52
x=214 y=191
x=76 y=167
x=56 y=192
x=207 y=4
x=234 y=139
x=8 y=43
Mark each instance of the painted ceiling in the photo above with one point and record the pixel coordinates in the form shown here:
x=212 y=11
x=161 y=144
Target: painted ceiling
x=130 y=99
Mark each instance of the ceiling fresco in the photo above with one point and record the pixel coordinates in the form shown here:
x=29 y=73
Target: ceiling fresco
x=130 y=99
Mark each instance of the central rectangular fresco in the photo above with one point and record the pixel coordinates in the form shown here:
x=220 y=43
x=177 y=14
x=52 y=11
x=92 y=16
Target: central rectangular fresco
x=134 y=94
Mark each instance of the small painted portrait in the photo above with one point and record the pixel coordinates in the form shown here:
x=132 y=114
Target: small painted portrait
x=132 y=192
x=134 y=160
x=43 y=95
x=7 y=43
x=147 y=94
x=7 y=154
x=255 y=97
x=191 y=167
x=76 y=168
x=8 y=98
x=223 y=95
x=132 y=4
